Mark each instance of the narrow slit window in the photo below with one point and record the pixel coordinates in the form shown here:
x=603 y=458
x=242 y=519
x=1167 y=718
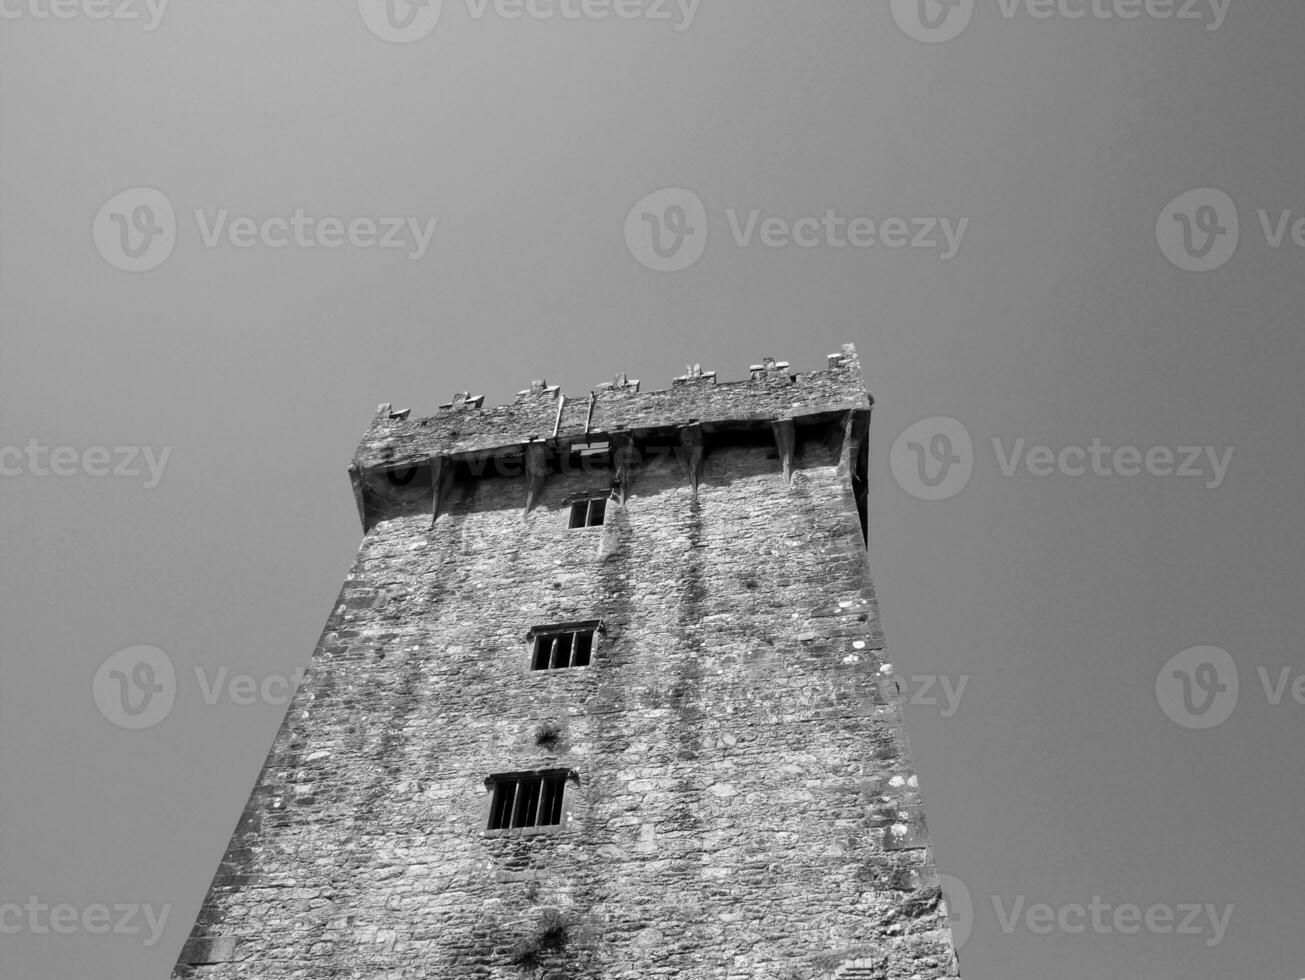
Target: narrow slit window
x=543 y=651
x=583 y=648
x=561 y=651
x=550 y=807
x=527 y=801
x=505 y=796
x=527 y=813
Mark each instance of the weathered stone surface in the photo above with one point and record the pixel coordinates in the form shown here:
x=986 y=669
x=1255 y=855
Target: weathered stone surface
x=743 y=803
x=771 y=395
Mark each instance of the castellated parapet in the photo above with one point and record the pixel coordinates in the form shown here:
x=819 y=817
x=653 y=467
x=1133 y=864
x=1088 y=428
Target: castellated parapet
x=604 y=696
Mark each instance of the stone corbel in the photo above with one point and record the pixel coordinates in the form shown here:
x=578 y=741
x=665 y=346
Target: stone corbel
x=691 y=444
x=855 y=429
x=853 y=464
x=441 y=481
x=355 y=477
x=623 y=460
x=785 y=431
x=536 y=473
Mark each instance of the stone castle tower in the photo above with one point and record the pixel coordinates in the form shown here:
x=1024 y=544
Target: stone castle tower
x=602 y=697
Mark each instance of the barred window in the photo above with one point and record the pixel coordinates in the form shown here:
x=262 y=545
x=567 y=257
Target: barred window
x=559 y=648
x=527 y=800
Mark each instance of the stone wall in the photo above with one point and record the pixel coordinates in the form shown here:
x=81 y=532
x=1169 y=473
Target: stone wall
x=743 y=805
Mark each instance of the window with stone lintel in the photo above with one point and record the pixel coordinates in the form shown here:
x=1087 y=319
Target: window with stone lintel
x=527 y=801
x=564 y=646
x=588 y=513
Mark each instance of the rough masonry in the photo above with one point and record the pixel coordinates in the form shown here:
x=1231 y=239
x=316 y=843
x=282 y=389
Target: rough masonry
x=737 y=799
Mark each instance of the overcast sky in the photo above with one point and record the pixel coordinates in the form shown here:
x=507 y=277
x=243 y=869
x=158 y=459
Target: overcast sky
x=1038 y=290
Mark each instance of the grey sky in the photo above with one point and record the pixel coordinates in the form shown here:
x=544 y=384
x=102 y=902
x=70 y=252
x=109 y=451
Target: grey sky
x=1059 y=320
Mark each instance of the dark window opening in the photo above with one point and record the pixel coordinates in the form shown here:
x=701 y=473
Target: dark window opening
x=527 y=801
x=587 y=458
x=589 y=513
x=563 y=649
x=584 y=646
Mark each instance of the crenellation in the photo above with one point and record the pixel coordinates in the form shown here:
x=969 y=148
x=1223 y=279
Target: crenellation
x=694 y=374
x=839 y=358
x=539 y=389
x=770 y=368
x=622 y=382
x=769 y=394
x=463 y=400
x=386 y=411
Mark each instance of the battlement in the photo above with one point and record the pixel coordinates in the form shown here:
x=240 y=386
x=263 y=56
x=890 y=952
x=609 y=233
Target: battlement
x=542 y=412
